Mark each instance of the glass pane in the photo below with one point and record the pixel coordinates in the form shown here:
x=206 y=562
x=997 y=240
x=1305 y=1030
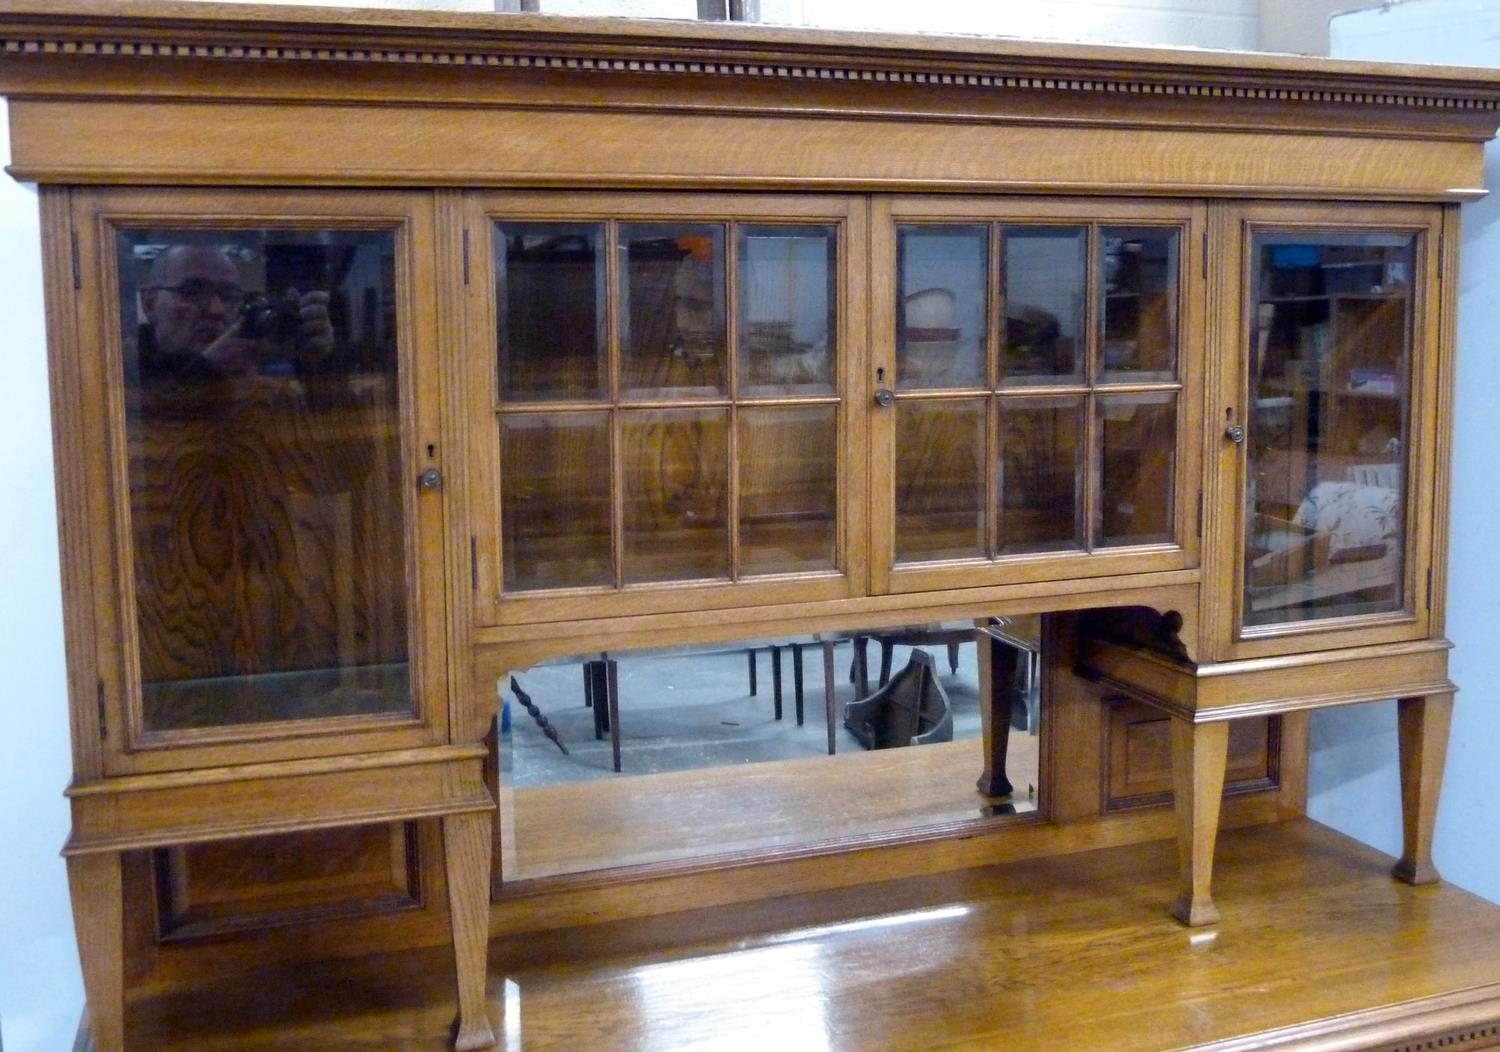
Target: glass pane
x=555 y=503
x=787 y=303
x=1138 y=433
x=1140 y=305
x=676 y=494
x=788 y=489
x=1041 y=474
x=1327 y=435
x=550 y=311
x=266 y=482
x=943 y=303
x=1044 y=304
x=672 y=332
x=940 y=488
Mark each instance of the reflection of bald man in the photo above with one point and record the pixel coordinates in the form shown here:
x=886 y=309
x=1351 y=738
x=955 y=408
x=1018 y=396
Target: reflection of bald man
x=192 y=303
x=239 y=500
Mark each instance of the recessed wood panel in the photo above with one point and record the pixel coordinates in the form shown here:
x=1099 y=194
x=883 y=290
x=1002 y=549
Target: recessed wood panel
x=1138 y=755
x=234 y=885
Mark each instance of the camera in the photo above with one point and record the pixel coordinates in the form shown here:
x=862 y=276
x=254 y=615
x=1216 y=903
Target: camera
x=269 y=319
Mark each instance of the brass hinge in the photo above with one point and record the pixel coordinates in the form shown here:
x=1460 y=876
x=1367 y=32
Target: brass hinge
x=1205 y=255
x=474 y=563
x=1200 y=513
x=466 y=255
x=77 y=266
x=1429 y=588
x=103 y=726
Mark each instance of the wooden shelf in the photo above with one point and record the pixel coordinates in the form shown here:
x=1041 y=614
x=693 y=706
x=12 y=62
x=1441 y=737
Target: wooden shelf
x=1070 y=952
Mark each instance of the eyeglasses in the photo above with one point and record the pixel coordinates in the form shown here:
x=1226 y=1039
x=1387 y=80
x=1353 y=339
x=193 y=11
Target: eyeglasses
x=201 y=292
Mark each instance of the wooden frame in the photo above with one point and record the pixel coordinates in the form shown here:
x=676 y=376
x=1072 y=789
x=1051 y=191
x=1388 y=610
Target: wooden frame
x=847 y=217
x=96 y=215
x=1182 y=552
x=478 y=117
x=1232 y=638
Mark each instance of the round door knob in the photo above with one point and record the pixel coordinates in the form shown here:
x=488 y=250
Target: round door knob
x=885 y=397
x=1235 y=433
x=432 y=478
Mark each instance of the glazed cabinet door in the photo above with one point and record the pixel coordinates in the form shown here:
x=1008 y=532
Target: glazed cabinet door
x=258 y=372
x=1033 y=370
x=1329 y=431
x=660 y=402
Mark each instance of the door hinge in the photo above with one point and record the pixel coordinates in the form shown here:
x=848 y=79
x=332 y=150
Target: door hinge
x=466 y=255
x=474 y=563
x=1204 y=263
x=1200 y=513
x=1429 y=588
x=77 y=266
x=103 y=725
x=1441 y=254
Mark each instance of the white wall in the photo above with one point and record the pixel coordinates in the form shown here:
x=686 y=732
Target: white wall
x=40 y=989
x=1353 y=774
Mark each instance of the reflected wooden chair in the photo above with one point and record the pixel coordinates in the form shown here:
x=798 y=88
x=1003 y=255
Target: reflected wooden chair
x=911 y=709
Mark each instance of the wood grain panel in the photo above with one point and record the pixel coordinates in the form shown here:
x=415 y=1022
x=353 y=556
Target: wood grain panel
x=247 y=144
x=236 y=885
x=1139 y=755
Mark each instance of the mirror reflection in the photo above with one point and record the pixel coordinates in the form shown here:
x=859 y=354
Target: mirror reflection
x=1327 y=437
x=672 y=754
x=266 y=490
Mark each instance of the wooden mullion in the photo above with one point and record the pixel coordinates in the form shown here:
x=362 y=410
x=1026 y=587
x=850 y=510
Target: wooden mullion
x=995 y=338
x=1093 y=319
x=613 y=279
x=731 y=330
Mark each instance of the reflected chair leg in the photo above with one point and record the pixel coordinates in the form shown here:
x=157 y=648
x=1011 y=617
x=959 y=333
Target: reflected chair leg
x=1422 y=725
x=466 y=855
x=94 y=882
x=598 y=696
x=887 y=651
x=797 y=680
x=612 y=697
x=751 y=655
x=828 y=703
x=776 y=681
x=1200 y=752
x=997 y=678
x=953 y=659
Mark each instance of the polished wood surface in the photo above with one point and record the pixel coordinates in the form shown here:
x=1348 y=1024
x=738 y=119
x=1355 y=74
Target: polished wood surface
x=1056 y=952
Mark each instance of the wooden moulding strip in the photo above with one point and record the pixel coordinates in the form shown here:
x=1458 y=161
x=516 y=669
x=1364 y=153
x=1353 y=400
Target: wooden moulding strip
x=1465 y=1019
x=1268 y=686
x=184 y=814
x=440 y=754
x=260 y=33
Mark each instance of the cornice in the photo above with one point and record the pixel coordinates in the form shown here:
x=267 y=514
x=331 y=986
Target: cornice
x=264 y=33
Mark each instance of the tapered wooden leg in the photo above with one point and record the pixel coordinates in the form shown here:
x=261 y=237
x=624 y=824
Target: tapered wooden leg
x=1199 y=754
x=829 y=705
x=94 y=882
x=997 y=685
x=1422 y=726
x=466 y=853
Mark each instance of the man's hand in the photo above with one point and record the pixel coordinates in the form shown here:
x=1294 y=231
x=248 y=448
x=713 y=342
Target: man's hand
x=314 y=328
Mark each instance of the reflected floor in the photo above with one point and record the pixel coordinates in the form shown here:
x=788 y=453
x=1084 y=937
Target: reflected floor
x=708 y=770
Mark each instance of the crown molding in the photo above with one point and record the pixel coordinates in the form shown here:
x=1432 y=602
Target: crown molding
x=223 y=33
